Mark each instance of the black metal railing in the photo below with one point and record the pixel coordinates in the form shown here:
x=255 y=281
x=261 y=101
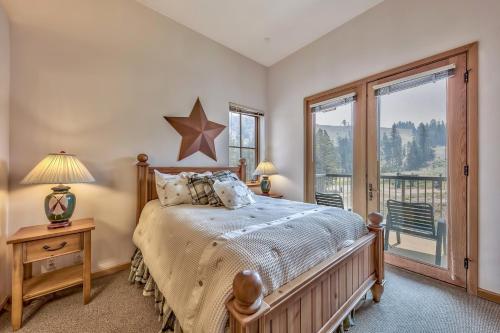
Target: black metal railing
x=406 y=188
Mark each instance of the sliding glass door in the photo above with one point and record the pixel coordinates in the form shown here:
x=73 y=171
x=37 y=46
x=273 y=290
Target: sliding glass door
x=417 y=152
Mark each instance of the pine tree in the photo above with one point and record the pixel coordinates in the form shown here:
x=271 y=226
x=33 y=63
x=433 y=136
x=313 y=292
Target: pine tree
x=392 y=150
x=412 y=156
x=426 y=153
x=406 y=125
x=420 y=150
x=442 y=134
x=386 y=153
x=397 y=149
x=325 y=153
x=345 y=154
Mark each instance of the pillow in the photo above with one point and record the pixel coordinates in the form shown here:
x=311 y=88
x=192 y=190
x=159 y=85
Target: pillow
x=201 y=190
x=213 y=198
x=196 y=185
x=191 y=174
x=171 y=189
x=233 y=193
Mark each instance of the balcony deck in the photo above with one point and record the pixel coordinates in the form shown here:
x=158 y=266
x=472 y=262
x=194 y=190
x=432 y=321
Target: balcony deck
x=415 y=248
x=406 y=188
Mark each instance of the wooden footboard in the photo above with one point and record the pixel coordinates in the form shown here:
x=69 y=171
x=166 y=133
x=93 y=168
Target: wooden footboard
x=318 y=300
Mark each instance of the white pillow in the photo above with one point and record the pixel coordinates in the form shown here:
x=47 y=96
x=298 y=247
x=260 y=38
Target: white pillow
x=234 y=194
x=172 y=189
x=191 y=174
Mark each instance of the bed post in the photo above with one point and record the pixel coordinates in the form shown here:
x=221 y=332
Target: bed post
x=376 y=227
x=247 y=306
x=247 y=290
x=243 y=170
x=142 y=183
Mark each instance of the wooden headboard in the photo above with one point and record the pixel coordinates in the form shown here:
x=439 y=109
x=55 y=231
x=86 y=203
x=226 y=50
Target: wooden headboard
x=146 y=187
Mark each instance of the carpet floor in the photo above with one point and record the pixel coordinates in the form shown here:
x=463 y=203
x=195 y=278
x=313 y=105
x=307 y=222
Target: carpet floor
x=411 y=303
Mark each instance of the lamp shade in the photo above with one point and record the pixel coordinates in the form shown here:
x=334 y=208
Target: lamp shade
x=265 y=168
x=60 y=168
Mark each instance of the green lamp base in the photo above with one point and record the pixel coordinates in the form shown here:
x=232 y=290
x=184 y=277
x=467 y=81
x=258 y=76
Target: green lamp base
x=59 y=207
x=265 y=185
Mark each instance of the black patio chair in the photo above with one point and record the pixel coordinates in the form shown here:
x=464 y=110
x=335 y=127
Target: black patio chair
x=415 y=219
x=329 y=199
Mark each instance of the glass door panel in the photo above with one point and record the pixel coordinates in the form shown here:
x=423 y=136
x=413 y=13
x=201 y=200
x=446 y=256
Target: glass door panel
x=333 y=153
x=413 y=169
x=416 y=154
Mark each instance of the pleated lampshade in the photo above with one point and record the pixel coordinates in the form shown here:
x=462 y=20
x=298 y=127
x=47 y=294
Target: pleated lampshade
x=265 y=168
x=59 y=168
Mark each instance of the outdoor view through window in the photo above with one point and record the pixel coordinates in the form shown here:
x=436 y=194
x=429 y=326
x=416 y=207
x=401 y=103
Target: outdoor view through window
x=412 y=135
x=333 y=147
x=243 y=141
x=413 y=170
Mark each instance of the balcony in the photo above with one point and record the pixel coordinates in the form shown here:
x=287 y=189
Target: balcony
x=405 y=188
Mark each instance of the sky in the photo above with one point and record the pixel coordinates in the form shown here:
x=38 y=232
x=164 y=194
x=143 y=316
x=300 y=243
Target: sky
x=335 y=117
x=420 y=104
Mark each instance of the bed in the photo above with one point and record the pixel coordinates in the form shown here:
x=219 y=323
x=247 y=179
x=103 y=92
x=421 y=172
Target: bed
x=264 y=268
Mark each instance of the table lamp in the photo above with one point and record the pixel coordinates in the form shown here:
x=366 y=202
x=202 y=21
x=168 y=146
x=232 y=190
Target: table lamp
x=60 y=168
x=265 y=169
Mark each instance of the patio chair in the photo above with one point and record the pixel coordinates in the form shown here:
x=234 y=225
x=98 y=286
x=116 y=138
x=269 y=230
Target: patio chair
x=415 y=219
x=329 y=199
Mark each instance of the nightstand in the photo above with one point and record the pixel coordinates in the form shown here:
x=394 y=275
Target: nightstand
x=271 y=195
x=36 y=243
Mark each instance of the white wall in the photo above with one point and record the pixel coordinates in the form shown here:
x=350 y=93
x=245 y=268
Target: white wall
x=95 y=78
x=4 y=149
x=392 y=34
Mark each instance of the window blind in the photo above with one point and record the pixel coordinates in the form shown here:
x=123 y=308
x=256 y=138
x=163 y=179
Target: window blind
x=233 y=107
x=332 y=104
x=414 y=80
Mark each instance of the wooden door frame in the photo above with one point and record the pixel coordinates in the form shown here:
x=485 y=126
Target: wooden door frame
x=471 y=50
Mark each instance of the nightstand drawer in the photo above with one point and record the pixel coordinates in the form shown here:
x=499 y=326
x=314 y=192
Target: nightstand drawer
x=52 y=247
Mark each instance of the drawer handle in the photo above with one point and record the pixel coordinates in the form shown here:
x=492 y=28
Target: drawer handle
x=48 y=248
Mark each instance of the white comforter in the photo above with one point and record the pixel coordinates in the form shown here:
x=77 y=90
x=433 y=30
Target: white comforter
x=193 y=252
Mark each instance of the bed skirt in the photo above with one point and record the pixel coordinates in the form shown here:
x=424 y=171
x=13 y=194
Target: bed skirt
x=139 y=275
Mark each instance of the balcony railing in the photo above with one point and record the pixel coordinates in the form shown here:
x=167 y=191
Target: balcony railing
x=407 y=188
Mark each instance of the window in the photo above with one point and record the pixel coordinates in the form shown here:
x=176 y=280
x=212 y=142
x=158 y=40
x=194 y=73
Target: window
x=244 y=138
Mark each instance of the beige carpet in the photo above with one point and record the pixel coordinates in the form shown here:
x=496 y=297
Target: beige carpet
x=411 y=303
x=116 y=306
x=414 y=303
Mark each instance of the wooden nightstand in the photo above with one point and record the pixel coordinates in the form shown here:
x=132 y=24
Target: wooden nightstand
x=272 y=195
x=37 y=243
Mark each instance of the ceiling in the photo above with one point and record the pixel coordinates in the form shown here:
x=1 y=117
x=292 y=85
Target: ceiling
x=263 y=30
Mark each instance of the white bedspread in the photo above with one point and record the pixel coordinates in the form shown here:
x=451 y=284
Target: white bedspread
x=194 y=252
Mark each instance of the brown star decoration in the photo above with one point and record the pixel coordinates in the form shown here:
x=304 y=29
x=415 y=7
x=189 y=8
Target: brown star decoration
x=198 y=133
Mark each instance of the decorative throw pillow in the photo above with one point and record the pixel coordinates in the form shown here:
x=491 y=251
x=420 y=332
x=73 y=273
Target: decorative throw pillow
x=171 y=189
x=233 y=193
x=213 y=198
x=197 y=189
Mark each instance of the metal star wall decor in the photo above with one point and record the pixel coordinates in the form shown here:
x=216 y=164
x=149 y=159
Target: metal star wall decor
x=198 y=133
